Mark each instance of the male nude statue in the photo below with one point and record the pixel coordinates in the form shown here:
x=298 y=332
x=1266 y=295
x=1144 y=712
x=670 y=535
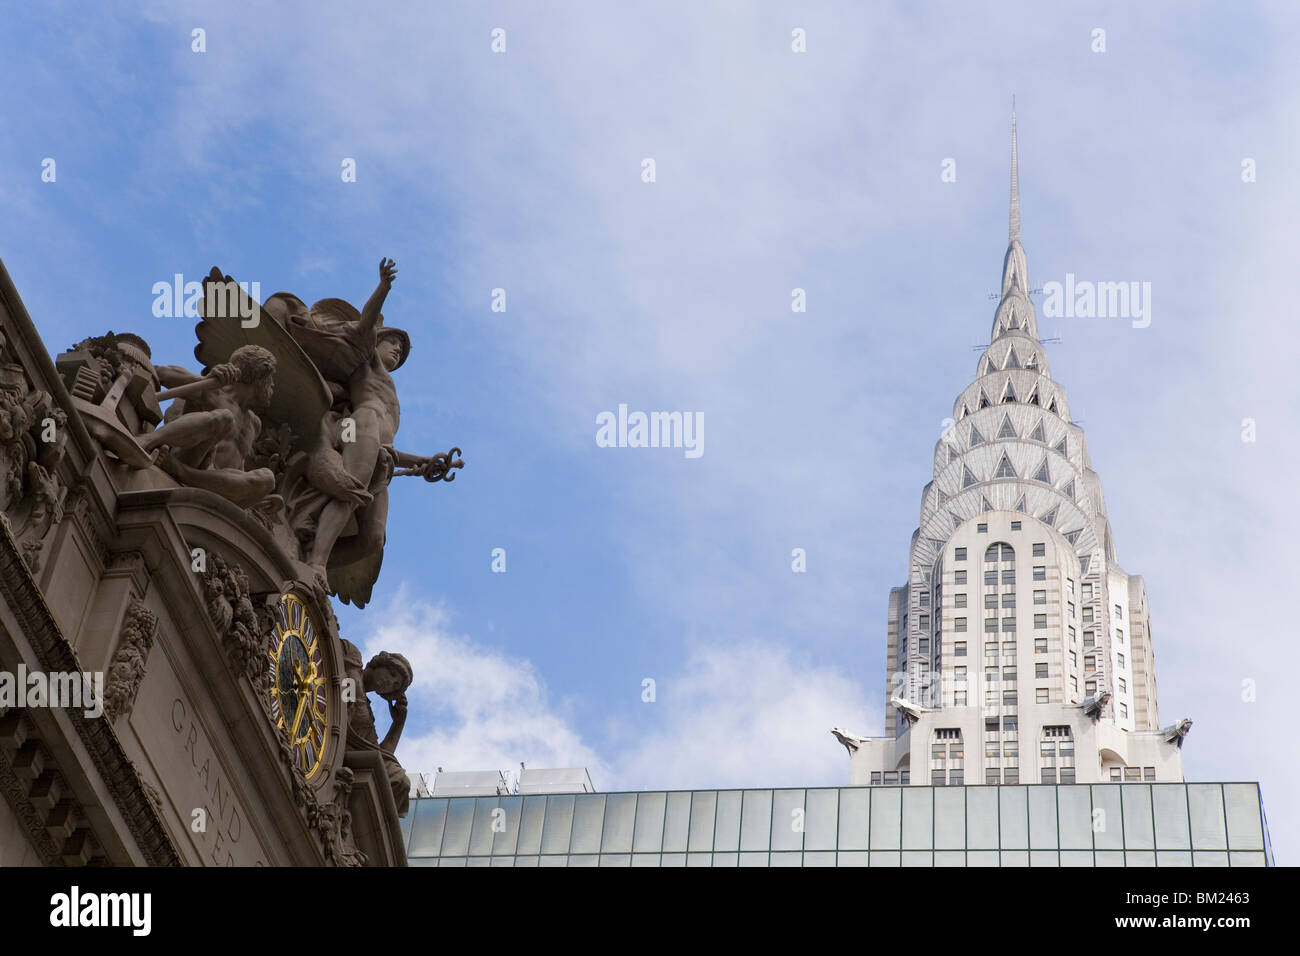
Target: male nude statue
x=371 y=457
x=208 y=443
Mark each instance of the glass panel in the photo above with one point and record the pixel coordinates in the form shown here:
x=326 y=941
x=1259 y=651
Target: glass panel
x=480 y=843
x=917 y=857
x=1236 y=858
x=1169 y=858
x=726 y=859
x=421 y=861
x=559 y=820
x=1015 y=858
x=1043 y=857
x=530 y=827
x=620 y=817
x=756 y=821
x=787 y=820
x=506 y=838
x=1109 y=858
x=820 y=821
x=645 y=859
x=1205 y=806
x=1169 y=801
x=879 y=858
x=753 y=859
x=455 y=836
x=918 y=819
x=1107 y=819
x=852 y=859
x=855 y=806
x=1074 y=813
x=1042 y=819
x=820 y=858
x=587 y=859
x=560 y=860
x=1140 y=858
x=452 y=861
x=478 y=861
x=426 y=827
x=982 y=818
x=1139 y=833
x=1076 y=858
x=677 y=817
x=700 y=859
x=949 y=858
x=726 y=825
x=649 y=823
x=949 y=819
x=503 y=861
x=673 y=859
x=588 y=819
x=1210 y=858
x=704 y=804
x=786 y=859
x=407 y=822
x=1241 y=801
x=525 y=861
x=616 y=859
x=886 y=810
x=982 y=858
x=1014 y=810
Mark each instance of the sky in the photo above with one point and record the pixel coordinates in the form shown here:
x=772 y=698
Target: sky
x=1161 y=158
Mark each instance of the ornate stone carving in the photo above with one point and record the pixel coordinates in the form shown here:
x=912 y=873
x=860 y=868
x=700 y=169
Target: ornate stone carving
x=139 y=629
x=388 y=675
x=333 y=822
x=232 y=611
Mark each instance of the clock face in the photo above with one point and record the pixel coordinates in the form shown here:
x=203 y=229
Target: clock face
x=299 y=695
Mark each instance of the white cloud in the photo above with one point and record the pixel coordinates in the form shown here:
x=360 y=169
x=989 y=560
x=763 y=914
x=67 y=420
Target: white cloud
x=740 y=715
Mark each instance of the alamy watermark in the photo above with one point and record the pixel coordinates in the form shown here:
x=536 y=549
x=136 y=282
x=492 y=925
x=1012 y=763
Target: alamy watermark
x=651 y=430
x=221 y=300
x=73 y=689
x=1098 y=300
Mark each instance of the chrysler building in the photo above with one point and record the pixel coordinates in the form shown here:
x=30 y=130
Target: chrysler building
x=1018 y=650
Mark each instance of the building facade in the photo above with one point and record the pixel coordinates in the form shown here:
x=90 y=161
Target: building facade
x=1019 y=651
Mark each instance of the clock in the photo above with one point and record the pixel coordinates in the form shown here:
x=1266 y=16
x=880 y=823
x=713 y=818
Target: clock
x=299 y=683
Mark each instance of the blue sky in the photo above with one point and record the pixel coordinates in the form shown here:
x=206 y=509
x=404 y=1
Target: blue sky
x=775 y=170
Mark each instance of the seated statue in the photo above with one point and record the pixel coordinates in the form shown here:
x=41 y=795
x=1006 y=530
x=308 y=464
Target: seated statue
x=208 y=442
x=388 y=675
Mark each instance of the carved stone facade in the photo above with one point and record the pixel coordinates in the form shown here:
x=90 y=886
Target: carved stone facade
x=152 y=553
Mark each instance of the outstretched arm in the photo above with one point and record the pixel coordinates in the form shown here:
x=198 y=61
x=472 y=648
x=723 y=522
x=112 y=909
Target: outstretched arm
x=370 y=314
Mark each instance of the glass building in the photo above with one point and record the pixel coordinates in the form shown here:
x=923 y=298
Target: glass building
x=1119 y=824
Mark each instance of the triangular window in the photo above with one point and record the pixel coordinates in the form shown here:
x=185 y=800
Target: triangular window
x=1007 y=430
x=940 y=496
x=1068 y=490
x=1052 y=407
x=1012 y=361
x=975 y=437
x=952 y=454
x=984 y=504
x=956 y=521
x=967 y=479
x=1084 y=561
x=1063 y=446
x=1013 y=322
x=1008 y=393
x=984 y=400
x=964 y=412
x=1042 y=474
x=1032 y=364
x=1049 y=519
x=1073 y=536
x=1020 y=505
x=990 y=368
x=1004 y=469
x=1038 y=434
x=1033 y=396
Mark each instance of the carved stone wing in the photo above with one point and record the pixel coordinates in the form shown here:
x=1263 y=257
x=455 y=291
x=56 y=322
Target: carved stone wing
x=301 y=397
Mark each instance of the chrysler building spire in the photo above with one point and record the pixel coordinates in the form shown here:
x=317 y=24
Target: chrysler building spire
x=1015 y=311
x=1013 y=233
